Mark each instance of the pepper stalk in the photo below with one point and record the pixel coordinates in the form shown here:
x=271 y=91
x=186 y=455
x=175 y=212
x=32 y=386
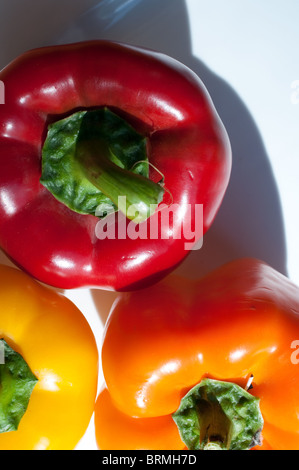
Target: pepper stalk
x=218 y=415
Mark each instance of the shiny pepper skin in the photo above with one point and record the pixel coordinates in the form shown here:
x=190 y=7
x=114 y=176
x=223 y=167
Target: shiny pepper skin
x=238 y=321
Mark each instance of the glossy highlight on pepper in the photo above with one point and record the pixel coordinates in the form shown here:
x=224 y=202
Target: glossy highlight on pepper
x=162 y=100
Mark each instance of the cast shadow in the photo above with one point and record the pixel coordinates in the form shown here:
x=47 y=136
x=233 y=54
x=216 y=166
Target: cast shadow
x=6 y=261
x=31 y=24
x=250 y=221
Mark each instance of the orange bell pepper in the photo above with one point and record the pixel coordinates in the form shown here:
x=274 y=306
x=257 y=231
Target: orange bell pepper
x=48 y=366
x=185 y=361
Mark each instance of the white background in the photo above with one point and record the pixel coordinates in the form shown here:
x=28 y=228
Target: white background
x=246 y=53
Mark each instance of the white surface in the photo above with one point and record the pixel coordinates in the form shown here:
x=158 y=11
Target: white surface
x=247 y=55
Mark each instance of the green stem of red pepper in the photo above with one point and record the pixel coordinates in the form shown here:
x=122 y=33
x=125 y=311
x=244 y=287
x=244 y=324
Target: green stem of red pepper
x=95 y=159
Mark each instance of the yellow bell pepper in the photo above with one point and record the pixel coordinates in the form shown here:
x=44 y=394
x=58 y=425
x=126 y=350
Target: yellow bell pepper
x=48 y=366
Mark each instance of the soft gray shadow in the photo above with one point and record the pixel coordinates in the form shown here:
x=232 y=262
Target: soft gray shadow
x=103 y=301
x=250 y=221
x=5 y=261
x=28 y=24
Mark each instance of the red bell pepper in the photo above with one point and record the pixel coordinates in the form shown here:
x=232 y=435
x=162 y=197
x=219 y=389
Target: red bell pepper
x=85 y=124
